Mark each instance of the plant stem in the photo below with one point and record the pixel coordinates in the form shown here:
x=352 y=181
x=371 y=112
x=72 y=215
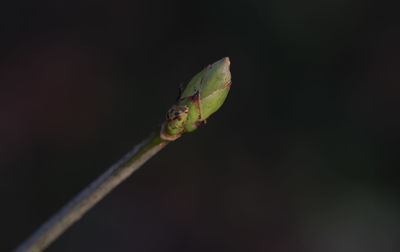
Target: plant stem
x=203 y=96
x=85 y=200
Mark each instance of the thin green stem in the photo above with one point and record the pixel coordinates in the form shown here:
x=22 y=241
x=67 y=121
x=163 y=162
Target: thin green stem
x=203 y=96
x=92 y=194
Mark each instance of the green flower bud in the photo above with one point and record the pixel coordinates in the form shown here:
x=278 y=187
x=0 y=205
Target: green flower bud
x=206 y=93
x=203 y=96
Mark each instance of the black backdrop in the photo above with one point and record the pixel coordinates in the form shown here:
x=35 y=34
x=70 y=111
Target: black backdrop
x=303 y=156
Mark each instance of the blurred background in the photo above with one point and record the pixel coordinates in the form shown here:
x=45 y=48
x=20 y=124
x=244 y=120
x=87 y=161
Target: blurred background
x=303 y=156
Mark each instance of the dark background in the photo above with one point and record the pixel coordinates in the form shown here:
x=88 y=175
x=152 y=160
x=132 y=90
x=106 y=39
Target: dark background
x=303 y=156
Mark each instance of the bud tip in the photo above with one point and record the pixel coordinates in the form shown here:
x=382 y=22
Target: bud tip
x=226 y=61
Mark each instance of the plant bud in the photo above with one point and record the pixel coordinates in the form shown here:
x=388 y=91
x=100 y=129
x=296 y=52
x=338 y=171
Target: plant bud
x=206 y=93
x=203 y=95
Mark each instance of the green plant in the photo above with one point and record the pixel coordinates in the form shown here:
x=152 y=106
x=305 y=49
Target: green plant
x=203 y=96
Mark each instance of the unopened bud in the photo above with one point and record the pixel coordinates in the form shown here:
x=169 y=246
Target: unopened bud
x=203 y=95
x=206 y=92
